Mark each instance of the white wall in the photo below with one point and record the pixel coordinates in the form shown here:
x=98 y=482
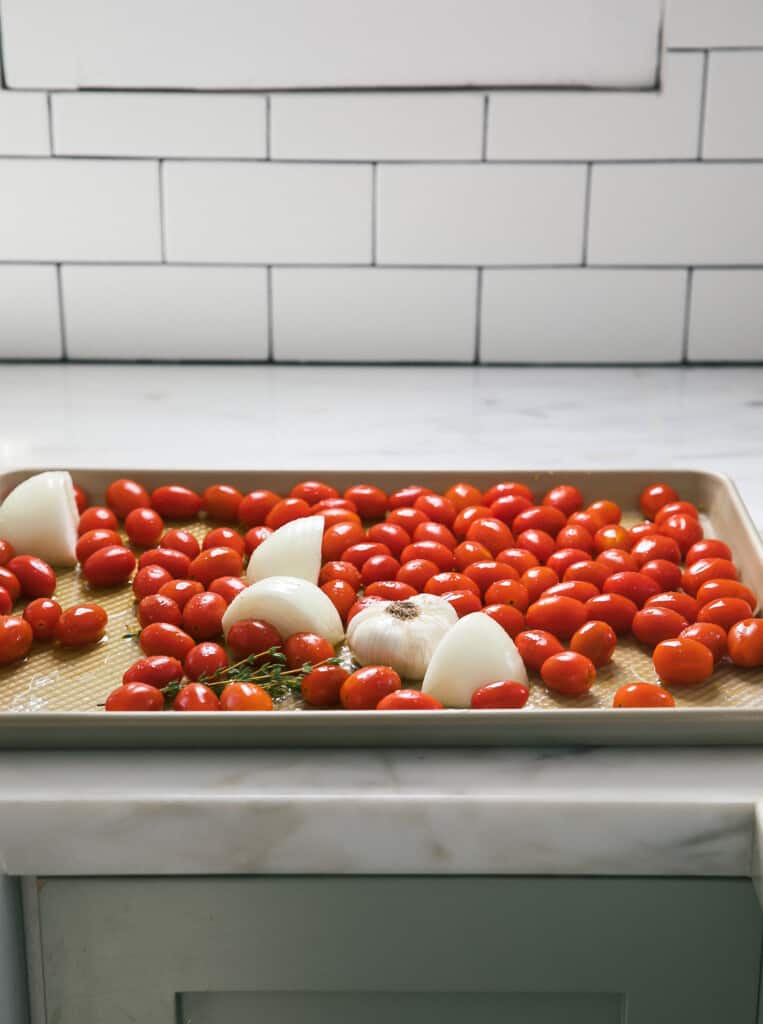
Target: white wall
x=502 y=225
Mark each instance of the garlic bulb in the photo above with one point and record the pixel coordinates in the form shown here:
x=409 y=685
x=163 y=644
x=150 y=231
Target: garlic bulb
x=475 y=652
x=401 y=634
x=40 y=517
x=290 y=605
x=294 y=549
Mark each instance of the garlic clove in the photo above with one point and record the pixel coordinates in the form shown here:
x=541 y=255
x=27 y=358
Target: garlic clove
x=474 y=652
x=294 y=549
x=290 y=605
x=401 y=634
x=39 y=517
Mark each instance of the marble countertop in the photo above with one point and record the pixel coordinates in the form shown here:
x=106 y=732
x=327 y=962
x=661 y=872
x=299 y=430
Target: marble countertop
x=563 y=811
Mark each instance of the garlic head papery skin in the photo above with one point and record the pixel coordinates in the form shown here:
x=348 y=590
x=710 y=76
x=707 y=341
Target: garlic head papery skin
x=475 y=652
x=401 y=634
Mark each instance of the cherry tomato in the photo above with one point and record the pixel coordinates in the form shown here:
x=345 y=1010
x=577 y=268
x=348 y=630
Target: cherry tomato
x=122 y=496
x=205 y=659
x=653 y=625
x=345 y=571
x=408 y=700
x=416 y=573
x=438 y=509
x=590 y=521
x=509 y=618
x=508 y=592
x=157 y=670
x=654 y=497
x=726 y=588
x=175 y=562
x=6 y=552
x=706 y=569
x=224 y=537
x=6 y=601
x=196 y=697
x=468 y=552
x=470 y=515
x=91 y=541
x=655 y=545
x=181 y=540
x=137 y=696
x=639 y=530
x=249 y=637
x=508 y=506
x=572 y=536
x=709 y=548
x=370 y=501
x=545 y=518
x=707 y=633
x=725 y=611
x=519 y=559
x=97 y=518
x=10 y=583
x=379 y=567
x=642 y=695
x=80 y=625
x=537 y=580
x=332 y=516
x=360 y=604
x=667 y=575
x=334 y=504
x=163 y=638
x=313 y=491
x=491 y=532
x=587 y=572
x=203 y=616
x=506 y=693
x=578 y=590
x=406 y=496
x=35 y=576
x=221 y=502
x=144 y=527
x=245 y=697
x=506 y=487
x=746 y=643
x=612 y=536
x=485 y=574
x=286 y=511
x=406 y=518
x=301 y=648
x=321 y=687
x=434 y=531
x=443 y=582
x=617 y=560
x=228 y=587
x=463 y=602
x=561 y=616
x=678 y=602
x=565 y=497
x=173 y=501
x=364 y=688
x=395 y=537
x=683 y=529
x=569 y=673
x=676 y=508
x=390 y=590
x=606 y=511
x=535 y=646
x=432 y=551
x=149 y=580
x=461 y=495
x=614 y=609
x=540 y=543
x=181 y=591
x=16 y=637
x=254 y=507
x=634 y=585
x=156 y=608
x=212 y=563
x=255 y=536
x=360 y=553
x=109 y=567
x=682 y=661
x=561 y=560
x=342 y=595
x=81 y=499
x=596 y=640
x=339 y=537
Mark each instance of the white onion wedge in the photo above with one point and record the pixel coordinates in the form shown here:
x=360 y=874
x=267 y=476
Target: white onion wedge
x=289 y=604
x=39 y=517
x=293 y=550
x=474 y=652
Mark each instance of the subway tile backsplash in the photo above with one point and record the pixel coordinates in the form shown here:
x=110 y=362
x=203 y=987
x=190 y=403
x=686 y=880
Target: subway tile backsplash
x=497 y=225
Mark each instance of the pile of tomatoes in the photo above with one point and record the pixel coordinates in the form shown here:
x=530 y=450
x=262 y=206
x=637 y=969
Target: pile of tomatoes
x=563 y=580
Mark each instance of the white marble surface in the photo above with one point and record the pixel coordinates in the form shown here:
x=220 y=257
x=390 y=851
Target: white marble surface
x=601 y=811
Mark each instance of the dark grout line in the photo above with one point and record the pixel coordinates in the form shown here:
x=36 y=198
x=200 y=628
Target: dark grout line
x=269 y=293
x=374 y=212
x=687 y=315
x=61 y=317
x=485 y=116
x=478 y=320
x=162 y=227
x=703 y=107
x=465 y=364
x=445 y=267
x=49 y=99
x=267 y=128
x=587 y=212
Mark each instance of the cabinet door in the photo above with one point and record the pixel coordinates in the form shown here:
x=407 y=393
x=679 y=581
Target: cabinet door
x=295 y=950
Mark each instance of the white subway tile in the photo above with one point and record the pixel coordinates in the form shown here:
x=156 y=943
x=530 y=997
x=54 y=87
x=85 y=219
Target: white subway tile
x=158 y=124
x=376 y=126
x=165 y=312
x=709 y=23
x=24 y=124
x=480 y=213
x=30 y=325
x=682 y=213
x=584 y=125
x=726 y=316
x=79 y=210
x=267 y=212
x=365 y=314
x=733 y=111
x=582 y=316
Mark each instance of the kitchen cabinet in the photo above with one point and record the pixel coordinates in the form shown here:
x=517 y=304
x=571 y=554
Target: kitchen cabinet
x=302 y=950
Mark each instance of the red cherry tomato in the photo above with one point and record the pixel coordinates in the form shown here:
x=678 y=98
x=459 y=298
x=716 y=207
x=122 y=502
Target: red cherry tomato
x=156 y=608
x=254 y=507
x=137 y=696
x=360 y=604
x=221 y=502
x=251 y=637
x=6 y=601
x=144 y=527
x=461 y=495
x=545 y=518
x=196 y=697
x=224 y=537
x=683 y=529
x=255 y=536
x=364 y=688
x=81 y=498
x=745 y=642
x=181 y=540
x=565 y=497
x=6 y=552
x=617 y=560
x=344 y=571
x=606 y=511
x=569 y=673
x=710 y=548
x=286 y=511
x=563 y=558
x=507 y=487
x=80 y=625
x=535 y=646
x=655 y=545
x=91 y=541
x=342 y=595
x=379 y=567
x=175 y=562
x=10 y=583
x=97 y=518
x=339 y=537
x=157 y=670
x=360 y=553
x=334 y=505
x=587 y=572
x=675 y=600
x=149 y=580
x=590 y=521
x=174 y=501
x=205 y=659
x=469 y=515
x=416 y=573
x=612 y=536
x=320 y=687
x=537 y=580
x=408 y=700
x=122 y=496
x=654 y=497
x=614 y=609
x=676 y=508
x=332 y=516
x=509 y=618
x=228 y=587
x=507 y=508
x=370 y=501
x=163 y=638
x=653 y=625
x=682 y=661
x=406 y=496
x=667 y=575
x=508 y=592
x=540 y=543
x=561 y=616
x=634 y=585
x=109 y=567
x=596 y=640
x=495 y=535
x=578 y=590
x=35 y=576
x=406 y=518
x=706 y=569
x=642 y=695
x=707 y=633
x=203 y=616
x=432 y=551
x=468 y=552
x=15 y=638
x=313 y=491
x=438 y=509
x=434 y=531
x=395 y=537
x=463 y=602
x=181 y=591
x=390 y=590
x=212 y=563
x=245 y=697
x=301 y=648
x=506 y=693
x=519 y=559
x=714 y=589
x=725 y=611
x=485 y=574
x=443 y=582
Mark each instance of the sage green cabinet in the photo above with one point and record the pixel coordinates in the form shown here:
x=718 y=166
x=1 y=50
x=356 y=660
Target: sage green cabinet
x=423 y=950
